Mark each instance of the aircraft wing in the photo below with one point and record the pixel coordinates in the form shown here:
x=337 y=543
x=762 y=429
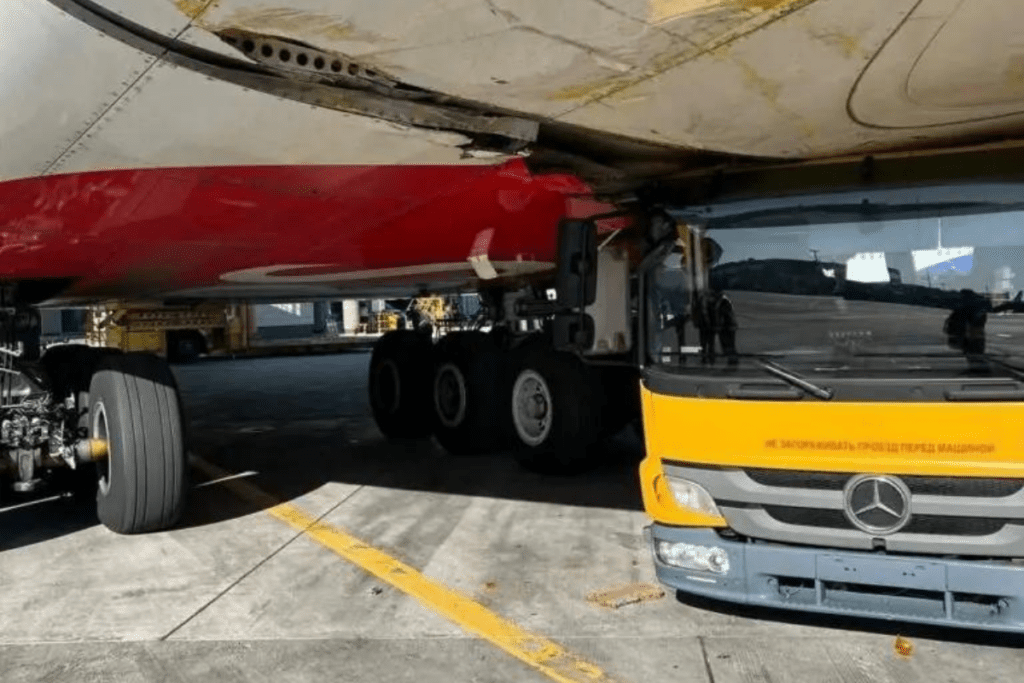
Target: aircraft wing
x=224 y=148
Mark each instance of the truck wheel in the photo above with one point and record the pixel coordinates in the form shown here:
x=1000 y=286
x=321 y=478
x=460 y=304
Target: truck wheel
x=471 y=393
x=400 y=370
x=133 y=405
x=555 y=412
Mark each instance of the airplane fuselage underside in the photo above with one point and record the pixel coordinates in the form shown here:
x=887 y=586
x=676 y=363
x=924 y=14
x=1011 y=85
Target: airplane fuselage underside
x=278 y=232
x=221 y=148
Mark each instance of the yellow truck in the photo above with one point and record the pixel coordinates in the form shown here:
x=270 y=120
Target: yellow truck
x=833 y=403
x=179 y=332
x=183 y=332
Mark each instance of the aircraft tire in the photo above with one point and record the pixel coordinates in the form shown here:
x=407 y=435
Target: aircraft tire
x=556 y=412
x=471 y=390
x=134 y=406
x=399 y=385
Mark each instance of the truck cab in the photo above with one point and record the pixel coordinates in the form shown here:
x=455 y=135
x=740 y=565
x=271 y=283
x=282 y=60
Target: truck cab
x=833 y=402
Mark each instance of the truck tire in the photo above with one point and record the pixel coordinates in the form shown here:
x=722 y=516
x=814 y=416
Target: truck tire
x=471 y=391
x=556 y=412
x=133 y=404
x=400 y=371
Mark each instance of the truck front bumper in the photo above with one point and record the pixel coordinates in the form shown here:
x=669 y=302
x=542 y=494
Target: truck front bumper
x=976 y=594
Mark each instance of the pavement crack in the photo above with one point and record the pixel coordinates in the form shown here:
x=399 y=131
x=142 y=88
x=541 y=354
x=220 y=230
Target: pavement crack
x=255 y=567
x=707 y=662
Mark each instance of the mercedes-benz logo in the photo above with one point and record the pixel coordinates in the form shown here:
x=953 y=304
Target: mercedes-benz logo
x=877 y=504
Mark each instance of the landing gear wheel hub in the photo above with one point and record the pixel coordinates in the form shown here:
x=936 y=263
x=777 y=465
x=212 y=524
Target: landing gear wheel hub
x=450 y=395
x=100 y=430
x=531 y=408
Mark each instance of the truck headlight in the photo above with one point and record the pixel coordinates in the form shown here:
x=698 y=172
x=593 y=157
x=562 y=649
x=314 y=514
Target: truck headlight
x=692 y=496
x=689 y=556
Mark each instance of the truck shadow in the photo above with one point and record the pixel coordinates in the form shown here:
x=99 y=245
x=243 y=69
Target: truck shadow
x=292 y=460
x=857 y=624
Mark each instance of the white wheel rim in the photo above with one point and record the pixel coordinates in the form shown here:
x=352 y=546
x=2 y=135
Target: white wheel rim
x=387 y=371
x=101 y=430
x=450 y=395
x=531 y=408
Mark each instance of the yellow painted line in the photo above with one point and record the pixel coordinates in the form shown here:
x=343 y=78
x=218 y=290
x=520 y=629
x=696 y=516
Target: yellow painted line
x=660 y=11
x=542 y=654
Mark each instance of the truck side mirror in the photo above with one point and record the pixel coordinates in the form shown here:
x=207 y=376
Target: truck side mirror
x=576 y=277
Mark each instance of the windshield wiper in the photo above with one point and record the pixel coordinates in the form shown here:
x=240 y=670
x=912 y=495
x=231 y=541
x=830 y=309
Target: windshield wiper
x=790 y=377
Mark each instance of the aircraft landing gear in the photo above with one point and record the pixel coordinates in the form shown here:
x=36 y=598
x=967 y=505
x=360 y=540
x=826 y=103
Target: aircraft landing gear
x=400 y=379
x=556 y=412
x=487 y=393
x=562 y=407
x=471 y=394
x=111 y=421
x=134 y=409
x=552 y=377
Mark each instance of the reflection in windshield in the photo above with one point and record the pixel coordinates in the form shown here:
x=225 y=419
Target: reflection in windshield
x=841 y=294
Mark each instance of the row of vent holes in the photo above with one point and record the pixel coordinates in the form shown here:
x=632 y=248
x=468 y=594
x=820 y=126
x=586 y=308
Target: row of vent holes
x=301 y=59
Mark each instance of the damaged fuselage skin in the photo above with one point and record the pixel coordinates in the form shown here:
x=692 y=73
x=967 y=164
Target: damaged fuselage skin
x=140 y=109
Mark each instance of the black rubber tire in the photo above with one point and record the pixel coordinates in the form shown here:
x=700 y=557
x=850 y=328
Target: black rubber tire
x=400 y=372
x=475 y=417
x=619 y=402
x=575 y=414
x=134 y=400
x=185 y=346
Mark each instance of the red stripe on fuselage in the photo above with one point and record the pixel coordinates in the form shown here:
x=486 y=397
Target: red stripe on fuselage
x=139 y=233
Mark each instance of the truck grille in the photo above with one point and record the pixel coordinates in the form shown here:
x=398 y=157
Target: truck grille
x=929 y=486
x=949 y=515
x=919 y=524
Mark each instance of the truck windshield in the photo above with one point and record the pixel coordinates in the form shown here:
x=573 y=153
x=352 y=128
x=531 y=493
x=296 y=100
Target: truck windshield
x=922 y=295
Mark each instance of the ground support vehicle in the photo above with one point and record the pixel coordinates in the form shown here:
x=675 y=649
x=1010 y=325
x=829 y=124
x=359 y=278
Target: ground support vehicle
x=177 y=332
x=832 y=392
x=831 y=369
x=182 y=333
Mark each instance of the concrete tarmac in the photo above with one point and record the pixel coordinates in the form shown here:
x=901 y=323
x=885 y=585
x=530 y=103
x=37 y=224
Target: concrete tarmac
x=235 y=594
